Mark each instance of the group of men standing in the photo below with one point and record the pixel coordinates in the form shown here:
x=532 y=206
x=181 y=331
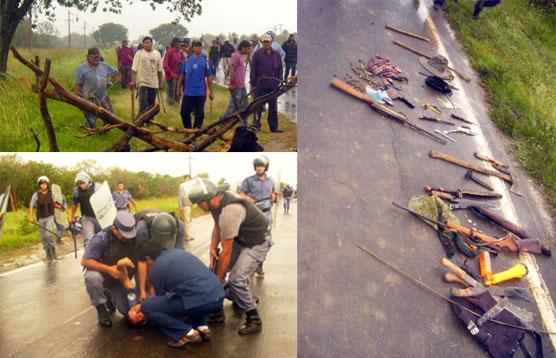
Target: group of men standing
x=139 y=267
x=188 y=73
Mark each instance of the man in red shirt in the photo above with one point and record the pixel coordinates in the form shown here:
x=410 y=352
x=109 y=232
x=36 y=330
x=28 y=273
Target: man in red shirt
x=171 y=65
x=125 y=60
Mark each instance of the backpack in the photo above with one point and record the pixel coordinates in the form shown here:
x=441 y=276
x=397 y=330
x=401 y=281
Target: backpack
x=438 y=84
x=245 y=140
x=498 y=340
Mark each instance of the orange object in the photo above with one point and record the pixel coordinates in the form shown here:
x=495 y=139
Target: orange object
x=486 y=267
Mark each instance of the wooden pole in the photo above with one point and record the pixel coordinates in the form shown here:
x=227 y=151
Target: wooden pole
x=407 y=33
x=44 y=109
x=417 y=52
x=475 y=167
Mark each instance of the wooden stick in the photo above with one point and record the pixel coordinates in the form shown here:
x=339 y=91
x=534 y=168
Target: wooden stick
x=417 y=52
x=474 y=167
x=36 y=137
x=44 y=108
x=407 y=33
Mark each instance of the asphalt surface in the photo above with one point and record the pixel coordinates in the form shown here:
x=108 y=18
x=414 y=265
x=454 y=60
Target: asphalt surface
x=355 y=162
x=46 y=311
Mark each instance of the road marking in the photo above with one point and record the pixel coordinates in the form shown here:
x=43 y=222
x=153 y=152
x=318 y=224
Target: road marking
x=534 y=278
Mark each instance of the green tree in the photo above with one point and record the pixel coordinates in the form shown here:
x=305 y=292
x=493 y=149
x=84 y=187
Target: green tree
x=12 y=12
x=110 y=34
x=163 y=34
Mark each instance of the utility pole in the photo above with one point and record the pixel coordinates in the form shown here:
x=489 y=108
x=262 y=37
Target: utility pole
x=69 y=20
x=84 y=34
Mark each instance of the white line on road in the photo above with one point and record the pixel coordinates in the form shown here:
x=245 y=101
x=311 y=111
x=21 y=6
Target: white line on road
x=534 y=278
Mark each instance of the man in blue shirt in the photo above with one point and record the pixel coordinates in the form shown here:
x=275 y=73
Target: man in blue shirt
x=184 y=286
x=196 y=73
x=122 y=198
x=91 y=83
x=259 y=190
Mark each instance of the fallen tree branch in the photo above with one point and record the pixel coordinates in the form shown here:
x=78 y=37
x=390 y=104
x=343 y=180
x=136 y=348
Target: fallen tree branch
x=103 y=129
x=44 y=108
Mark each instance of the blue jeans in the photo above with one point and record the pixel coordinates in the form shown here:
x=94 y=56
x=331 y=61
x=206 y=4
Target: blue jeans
x=238 y=102
x=147 y=97
x=166 y=314
x=272 y=110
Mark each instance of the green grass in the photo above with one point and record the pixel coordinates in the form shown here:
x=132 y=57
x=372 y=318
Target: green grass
x=18 y=234
x=19 y=110
x=513 y=48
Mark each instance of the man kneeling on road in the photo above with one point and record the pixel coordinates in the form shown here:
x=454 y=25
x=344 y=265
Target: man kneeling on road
x=184 y=287
x=109 y=263
x=240 y=228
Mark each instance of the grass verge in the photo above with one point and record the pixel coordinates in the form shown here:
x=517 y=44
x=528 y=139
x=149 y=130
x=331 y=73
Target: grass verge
x=19 y=110
x=513 y=48
x=18 y=234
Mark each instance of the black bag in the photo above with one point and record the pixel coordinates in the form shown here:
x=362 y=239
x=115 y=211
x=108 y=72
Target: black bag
x=438 y=84
x=245 y=140
x=498 y=340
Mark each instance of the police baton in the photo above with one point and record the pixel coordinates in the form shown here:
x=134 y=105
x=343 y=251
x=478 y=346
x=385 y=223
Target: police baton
x=42 y=227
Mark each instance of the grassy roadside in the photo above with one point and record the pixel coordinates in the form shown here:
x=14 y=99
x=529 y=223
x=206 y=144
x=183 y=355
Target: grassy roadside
x=513 y=47
x=18 y=234
x=19 y=110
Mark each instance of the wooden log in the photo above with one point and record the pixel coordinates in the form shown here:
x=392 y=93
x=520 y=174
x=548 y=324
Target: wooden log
x=44 y=108
x=417 y=52
x=475 y=167
x=407 y=33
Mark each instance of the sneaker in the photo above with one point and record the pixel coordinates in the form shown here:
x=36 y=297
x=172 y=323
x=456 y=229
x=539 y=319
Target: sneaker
x=217 y=317
x=103 y=317
x=190 y=338
x=251 y=325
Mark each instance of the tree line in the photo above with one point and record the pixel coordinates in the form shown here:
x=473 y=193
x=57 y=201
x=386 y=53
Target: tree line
x=22 y=176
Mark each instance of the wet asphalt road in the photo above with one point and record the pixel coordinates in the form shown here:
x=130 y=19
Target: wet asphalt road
x=349 y=304
x=46 y=311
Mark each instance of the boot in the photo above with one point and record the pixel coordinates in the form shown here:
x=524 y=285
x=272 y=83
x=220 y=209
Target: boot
x=53 y=254
x=110 y=306
x=253 y=323
x=103 y=317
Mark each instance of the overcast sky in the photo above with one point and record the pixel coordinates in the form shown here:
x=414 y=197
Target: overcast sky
x=218 y=16
x=232 y=166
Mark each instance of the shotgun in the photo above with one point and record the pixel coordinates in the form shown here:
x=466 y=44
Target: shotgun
x=509 y=242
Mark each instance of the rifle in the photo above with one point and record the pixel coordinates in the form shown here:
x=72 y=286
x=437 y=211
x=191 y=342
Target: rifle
x=510 y=242
x=344 y=87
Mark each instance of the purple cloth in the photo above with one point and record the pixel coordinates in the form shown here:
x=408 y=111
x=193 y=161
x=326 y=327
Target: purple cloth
x=264 y=64
x=121 y=199
x=239 y=71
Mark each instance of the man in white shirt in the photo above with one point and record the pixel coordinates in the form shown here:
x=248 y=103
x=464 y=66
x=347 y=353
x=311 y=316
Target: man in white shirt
x=146 y=74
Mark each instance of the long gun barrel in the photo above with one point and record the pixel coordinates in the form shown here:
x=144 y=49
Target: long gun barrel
x=509 y=241
x=344 y=87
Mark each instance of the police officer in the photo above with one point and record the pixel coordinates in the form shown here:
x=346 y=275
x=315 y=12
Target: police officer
x=155 y=224
x=43 y=201
x=241 y=230
x=122 y=198
x=259 y=189
x=185 y=210
x=109 y=262
x=82 y=192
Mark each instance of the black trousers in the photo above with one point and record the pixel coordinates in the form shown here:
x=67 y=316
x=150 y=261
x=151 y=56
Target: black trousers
x=481 y=4
x=147 y=97
x=193 y=104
